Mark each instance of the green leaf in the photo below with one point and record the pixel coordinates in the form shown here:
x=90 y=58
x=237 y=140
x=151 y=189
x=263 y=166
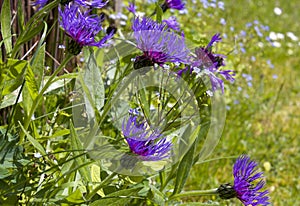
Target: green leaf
x=38 y=65
x=12 y=75
x=20 y=16
x=5 y=26
x=77 y=149
x=27 y=100
x=10 y=99
x=34 y=142
x=58 y=82
x=121 y=197
x=185 y=165
x=31 y=83
x=96 y=177
x=76 y=197
x=159 y=13
x=30 y=90
x=157 y=196
x=93 y=88
x=34 y=30
x=3 y=172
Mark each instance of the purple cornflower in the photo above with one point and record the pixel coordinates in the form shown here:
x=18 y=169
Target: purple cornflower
x=39 y=3
x=131 y=8
x=93 y=4
x=172 y=4
x=158 y=44
x=82 y=28
x=148 y=145
x=172 y=23
x=209 y=63
x=248 y=184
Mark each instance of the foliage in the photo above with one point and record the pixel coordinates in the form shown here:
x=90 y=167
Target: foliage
x=61 y=140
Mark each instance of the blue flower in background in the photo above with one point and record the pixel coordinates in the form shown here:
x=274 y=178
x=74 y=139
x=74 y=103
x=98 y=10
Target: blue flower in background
x=158 y=44
x=147 y=144
x=173 y=4
x=39 y=3
x=248 y=184
x=94 y=4
x=131 y=8
x=82 y=27
x=172 y=23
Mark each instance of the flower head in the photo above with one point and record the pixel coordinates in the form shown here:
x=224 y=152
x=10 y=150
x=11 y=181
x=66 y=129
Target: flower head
x=209 y=63
x=94 y=3
x=248 y=184
x=158 y=44
x=148 y=145
x=81 y=27
x=172 y=23
x=131 y=8
x=173 y=4
x=39 y=3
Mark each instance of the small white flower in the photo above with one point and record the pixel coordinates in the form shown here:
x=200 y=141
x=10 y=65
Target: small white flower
x=196 y=70
x=277 y=11
x=260 y=44
x=61 y=46
x=177 y=64
x=280 y=36
x=165 y=66
x=37 y=155
x=276 y=44
x=209 y=93
x=273 y=36
x=292 y=36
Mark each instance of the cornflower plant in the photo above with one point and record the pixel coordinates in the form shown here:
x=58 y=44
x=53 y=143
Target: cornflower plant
x=117 y=119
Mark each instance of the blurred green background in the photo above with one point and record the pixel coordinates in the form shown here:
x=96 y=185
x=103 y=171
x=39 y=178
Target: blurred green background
x=263 y=116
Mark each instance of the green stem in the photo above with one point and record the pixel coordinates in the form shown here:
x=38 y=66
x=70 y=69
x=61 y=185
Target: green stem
x=195 y=193
x=102 y=184
x=40 y=95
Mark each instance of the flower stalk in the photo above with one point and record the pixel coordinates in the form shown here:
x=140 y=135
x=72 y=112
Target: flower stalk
x=195 y=193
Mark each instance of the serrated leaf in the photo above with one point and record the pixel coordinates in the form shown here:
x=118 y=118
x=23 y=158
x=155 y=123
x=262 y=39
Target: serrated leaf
x=93 y=88
x=5 y=26
x=31 y=83
x=38 y=65
x=12 y=75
